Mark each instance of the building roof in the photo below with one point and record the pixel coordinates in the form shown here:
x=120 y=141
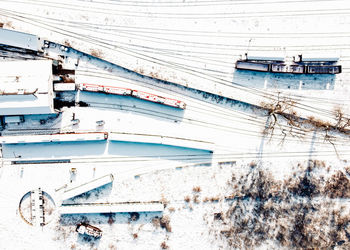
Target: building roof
x=20 y=40
x=26 y=87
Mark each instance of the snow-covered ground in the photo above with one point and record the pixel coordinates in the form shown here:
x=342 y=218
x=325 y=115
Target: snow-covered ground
x=196 y=44
x=270 y=177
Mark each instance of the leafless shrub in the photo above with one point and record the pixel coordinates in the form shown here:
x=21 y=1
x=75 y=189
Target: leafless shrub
x=218 y=216
x=163 y=245
x=171 y=209
x=206 y=199
x=338 y=186
x=304 y=186
x=278 y=111
x=215 y=199
x=165 y=223
x=347 y=170
x=197 y=189
x=135 y=236
x=196 y=199
x=343 y=123
x=281 y=111
x=156 y=222
x=286 y=212
x=134 y=216
x=164 y=201
x=253 y=164
x=67 y=43
x=319 y=164
x=187 y=198
x=73 y=246
x=111 y=220
x=318 y=124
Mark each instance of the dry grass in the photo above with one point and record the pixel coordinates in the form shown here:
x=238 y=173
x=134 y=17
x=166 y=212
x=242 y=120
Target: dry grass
x=154 y=75
x=9 y=24
x=197 y=189
x=96 y=53
x=111 y=246
x=187 y=198
x=140 y=70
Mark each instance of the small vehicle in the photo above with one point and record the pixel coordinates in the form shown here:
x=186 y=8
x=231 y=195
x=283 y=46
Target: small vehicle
x=84 y=228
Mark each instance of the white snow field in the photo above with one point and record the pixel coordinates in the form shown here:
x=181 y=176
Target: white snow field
x=196 y=44
x=232 y=173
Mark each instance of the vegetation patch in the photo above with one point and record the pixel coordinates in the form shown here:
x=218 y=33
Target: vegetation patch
x=300 y=212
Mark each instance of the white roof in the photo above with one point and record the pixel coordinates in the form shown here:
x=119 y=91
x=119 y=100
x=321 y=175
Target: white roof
x=124 y=207
x=161 y=139
x=30 y=76
x=265 y=55
x=320 y=57
x=98 y=136
x=19 y=39
x=75 y=190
